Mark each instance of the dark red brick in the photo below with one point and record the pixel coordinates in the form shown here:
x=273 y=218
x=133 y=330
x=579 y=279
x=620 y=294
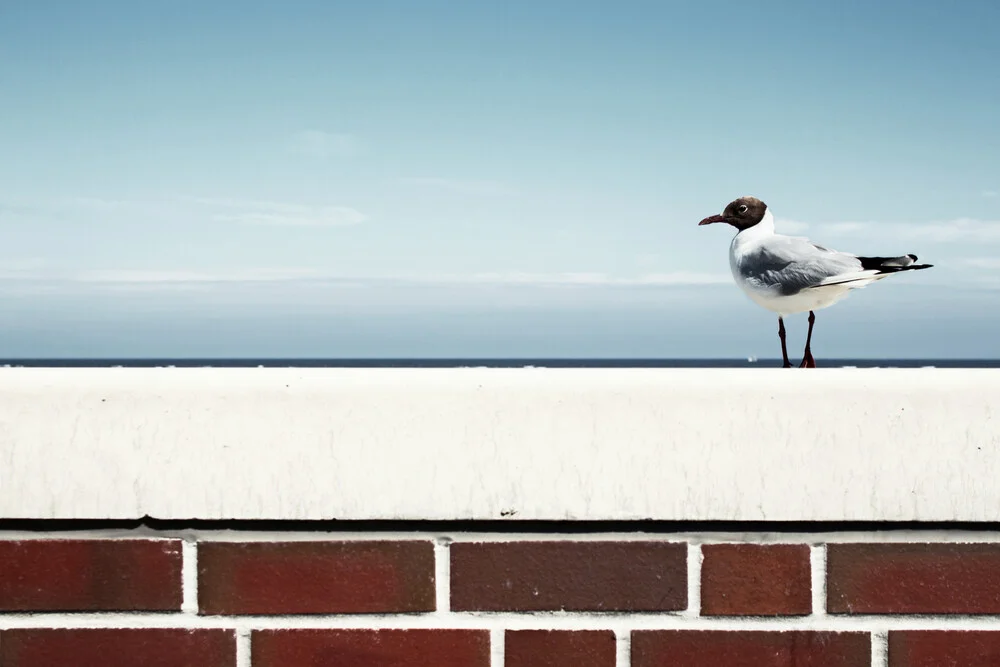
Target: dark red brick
x=556 y=648
x=370 y=648
x=940 y=648
x=755 y=580
x=315 y=577
x=712 y=648
x=913 y=578
x=90 y=575
x=573 y=576
x=111 y=648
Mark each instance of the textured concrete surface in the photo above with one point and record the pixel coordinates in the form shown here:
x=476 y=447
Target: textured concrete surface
x=682 y=444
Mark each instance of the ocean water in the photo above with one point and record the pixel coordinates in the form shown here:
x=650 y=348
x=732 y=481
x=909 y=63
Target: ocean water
x=492 y=363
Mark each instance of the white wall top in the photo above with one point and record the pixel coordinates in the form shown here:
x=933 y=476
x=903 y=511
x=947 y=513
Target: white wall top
x=594 y=444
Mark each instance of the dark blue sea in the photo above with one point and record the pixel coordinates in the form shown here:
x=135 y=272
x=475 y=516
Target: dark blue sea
x=494 y=363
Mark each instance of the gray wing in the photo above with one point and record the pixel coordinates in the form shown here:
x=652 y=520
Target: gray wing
x=790 y=264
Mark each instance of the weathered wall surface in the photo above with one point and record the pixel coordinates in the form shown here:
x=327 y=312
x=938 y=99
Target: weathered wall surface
x=879 y=445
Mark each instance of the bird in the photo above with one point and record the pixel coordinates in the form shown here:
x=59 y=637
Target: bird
x=790 y=274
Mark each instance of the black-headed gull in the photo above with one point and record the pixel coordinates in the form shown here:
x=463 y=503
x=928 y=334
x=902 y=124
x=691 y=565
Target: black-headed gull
x=790 y=274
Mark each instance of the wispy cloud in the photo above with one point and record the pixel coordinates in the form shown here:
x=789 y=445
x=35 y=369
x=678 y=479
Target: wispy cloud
x=961 y=229
x=459 y=186
x=582 y=279
x=196 y=209
x=843 y=228
x=98 y=204
x=990 y=194
x=790 y=226
x=320 y=144
x=946 y=231
x=990 y=263
x=282 y=214
x=598 y=279
x=193 y=276
x=35 y=271
x=19 y=268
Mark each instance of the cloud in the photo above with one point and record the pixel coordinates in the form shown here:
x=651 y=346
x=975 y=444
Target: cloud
x=600 y=279
x=983 y=262
x=319 y=275
x=98 y=204
x=20 y=268
x=790 y=226
x=192 y=276
x=459 y=186
x=320 y=144
x=168 y=209
x=282 y=214
x=844 y=227
x=990 y=194
x=291 y=215
x=947 y=231
x=36 y=271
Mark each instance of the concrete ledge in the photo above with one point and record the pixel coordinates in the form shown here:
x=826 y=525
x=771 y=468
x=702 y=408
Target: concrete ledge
x=587 y=444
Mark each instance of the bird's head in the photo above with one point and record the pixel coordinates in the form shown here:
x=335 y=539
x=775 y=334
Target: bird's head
x=741 y=213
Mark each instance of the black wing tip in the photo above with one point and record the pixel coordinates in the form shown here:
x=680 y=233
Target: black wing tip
x=898 y=269
x=914 y=267
x=885 y=265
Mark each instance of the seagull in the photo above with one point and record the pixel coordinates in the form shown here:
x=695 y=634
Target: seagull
x=791 y=274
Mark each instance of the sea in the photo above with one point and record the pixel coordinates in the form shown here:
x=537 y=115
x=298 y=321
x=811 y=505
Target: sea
x=749 y=362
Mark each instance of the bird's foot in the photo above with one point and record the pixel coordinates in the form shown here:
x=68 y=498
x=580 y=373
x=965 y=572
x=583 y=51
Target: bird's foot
x=808 y=361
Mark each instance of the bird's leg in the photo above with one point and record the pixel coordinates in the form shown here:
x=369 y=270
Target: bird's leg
x=784 y=350
x=807 y=357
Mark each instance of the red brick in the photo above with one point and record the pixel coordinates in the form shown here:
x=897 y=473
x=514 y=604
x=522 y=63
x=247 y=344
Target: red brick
x=573 y=576
x=110 y=648
x=556 y=648
x=941 y=648
x=370 y=648
x=315 y=577
x=755 y=580
x=712 y=648
x=90 y=575
x=913 y=579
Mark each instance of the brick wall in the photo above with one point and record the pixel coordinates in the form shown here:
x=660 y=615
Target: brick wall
x=301 y=599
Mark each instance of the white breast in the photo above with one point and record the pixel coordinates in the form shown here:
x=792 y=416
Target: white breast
x=770 y=297
x=744 y=243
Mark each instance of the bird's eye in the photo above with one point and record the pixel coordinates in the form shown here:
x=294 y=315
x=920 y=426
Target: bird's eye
x=743 y=208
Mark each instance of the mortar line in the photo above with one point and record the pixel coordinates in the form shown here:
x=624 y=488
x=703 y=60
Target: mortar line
x=500 y=620
x=442 y=574
x=817 y=569
x=695 y=557
x=243 y=657
x=623 y=648
x=880 y=649
x=497 y=647
x=189 y=577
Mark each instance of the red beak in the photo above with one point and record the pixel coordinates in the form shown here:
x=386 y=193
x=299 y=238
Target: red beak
x=710 y=219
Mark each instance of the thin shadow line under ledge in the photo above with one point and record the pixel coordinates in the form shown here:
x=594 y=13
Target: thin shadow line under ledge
x=512 y=525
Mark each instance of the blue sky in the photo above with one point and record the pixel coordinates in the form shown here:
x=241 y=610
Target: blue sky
x=516 y=178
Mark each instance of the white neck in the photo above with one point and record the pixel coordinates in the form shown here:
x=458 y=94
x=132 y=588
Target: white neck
x=763 y=228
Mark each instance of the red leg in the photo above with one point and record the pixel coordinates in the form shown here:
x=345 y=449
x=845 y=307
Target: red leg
x=784 y=350
x=807 y=357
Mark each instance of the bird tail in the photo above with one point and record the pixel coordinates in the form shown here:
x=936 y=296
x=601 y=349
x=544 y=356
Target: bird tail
x=872 y=269
x=885 y=265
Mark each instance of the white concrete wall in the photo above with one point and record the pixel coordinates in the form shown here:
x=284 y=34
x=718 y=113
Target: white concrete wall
x=686 y=444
